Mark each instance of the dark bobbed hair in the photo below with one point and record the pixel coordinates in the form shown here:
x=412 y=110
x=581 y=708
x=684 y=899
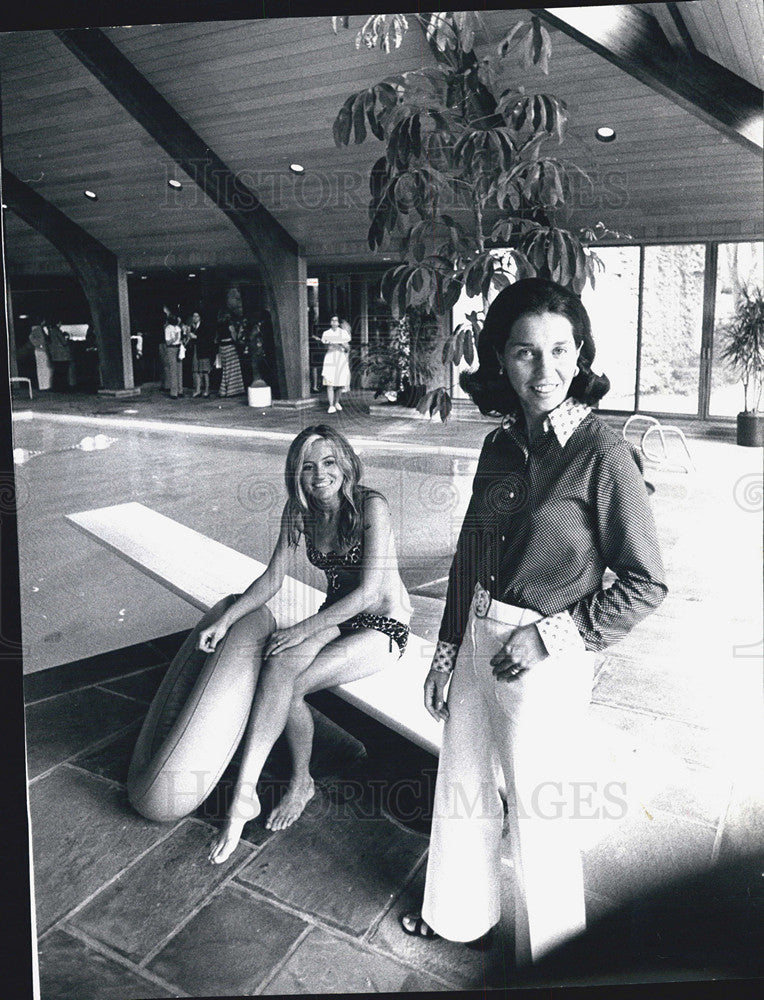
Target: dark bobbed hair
x=489 y=389
x=301 y=510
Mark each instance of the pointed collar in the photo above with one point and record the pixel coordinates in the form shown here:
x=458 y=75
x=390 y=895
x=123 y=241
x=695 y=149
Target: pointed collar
x=563 y=420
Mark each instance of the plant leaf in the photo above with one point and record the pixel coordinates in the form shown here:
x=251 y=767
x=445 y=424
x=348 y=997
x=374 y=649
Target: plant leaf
x=359 y=115
x=343 y=122
x=506 y=43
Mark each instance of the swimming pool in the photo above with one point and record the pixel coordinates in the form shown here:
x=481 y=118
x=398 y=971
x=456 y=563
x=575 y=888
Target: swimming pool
x=78 y=599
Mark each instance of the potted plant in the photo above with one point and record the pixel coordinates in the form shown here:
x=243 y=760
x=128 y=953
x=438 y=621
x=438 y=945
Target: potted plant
x=465 y=190
x=743 y=351
x=401 y=366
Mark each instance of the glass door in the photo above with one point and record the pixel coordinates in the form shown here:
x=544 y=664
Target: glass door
x=672 y=328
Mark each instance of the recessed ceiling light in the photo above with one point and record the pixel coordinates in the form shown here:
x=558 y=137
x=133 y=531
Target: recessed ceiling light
x=23 y=316
x=143 y=277
x=605 y=133
x=174 y=184
x=192 y=275
x=297 y=168
x=90 y=194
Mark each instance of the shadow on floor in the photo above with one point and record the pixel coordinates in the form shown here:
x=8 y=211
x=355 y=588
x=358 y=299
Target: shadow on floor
x=130 y=908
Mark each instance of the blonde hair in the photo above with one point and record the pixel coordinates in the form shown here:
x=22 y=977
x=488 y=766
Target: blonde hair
x=301 y=510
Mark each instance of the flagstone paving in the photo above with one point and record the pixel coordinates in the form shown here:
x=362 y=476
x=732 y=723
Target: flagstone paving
x=129 y=908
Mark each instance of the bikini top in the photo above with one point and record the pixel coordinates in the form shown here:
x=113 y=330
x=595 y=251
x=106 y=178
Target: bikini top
x=332 y=562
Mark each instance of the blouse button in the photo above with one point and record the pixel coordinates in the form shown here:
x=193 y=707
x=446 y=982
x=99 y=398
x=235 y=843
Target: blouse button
x=493 y=579
x=503 y=538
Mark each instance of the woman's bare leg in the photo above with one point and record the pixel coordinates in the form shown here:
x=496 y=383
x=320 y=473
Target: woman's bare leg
x=314 y=665
x=330 y=394
x=299 y=734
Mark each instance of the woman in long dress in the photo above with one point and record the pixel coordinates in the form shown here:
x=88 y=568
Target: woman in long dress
x=231 y=381
x=557 y=498
x=40 y=341
x=238 y=671
x=336 y=367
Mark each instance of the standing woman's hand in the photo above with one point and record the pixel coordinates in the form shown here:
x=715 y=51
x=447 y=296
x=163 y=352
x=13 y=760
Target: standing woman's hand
x=523 y=649
x=435 y=694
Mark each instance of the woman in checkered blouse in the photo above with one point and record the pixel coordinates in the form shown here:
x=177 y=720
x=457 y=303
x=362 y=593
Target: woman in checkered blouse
x=557 y=498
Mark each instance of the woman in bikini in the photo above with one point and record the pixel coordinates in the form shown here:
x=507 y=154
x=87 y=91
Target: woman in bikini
x=238 y=671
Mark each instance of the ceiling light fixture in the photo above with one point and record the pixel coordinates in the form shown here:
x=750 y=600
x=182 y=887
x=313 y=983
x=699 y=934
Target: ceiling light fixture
x=192 y=275
x=143 y=277
x=297 y=168
x=174 y=184
x=605 y=134
x=90 y=194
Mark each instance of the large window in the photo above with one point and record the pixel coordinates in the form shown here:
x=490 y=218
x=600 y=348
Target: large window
x=664 y=331
x=740 y=265
x=613 y=307
x=672 y=327
x=659 y=315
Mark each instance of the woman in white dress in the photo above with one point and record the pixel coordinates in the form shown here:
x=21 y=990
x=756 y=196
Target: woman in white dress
x=336 y=370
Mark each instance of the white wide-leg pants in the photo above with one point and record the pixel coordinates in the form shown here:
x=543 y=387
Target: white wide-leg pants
x=515 y=738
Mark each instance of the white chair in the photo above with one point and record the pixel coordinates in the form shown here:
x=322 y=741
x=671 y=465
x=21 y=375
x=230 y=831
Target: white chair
x=20 y=378
x=654 y=443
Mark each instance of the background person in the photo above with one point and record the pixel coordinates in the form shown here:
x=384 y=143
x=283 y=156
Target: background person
x=256 y=675
x=40 y=341
x=227 y=339
x=202 y=347
x=336 y=368
x=60 y=356
x=173 y=341
x=557 y=498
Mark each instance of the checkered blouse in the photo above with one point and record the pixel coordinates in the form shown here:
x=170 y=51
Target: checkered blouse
x=545 y=521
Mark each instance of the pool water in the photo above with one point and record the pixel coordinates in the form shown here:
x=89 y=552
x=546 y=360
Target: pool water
x=78 y=599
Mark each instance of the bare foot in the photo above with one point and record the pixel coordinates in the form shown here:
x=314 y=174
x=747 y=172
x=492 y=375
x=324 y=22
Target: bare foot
x=297 y=796
x=227 y=840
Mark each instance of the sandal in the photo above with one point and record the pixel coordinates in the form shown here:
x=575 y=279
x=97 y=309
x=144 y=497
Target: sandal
x=420 y=928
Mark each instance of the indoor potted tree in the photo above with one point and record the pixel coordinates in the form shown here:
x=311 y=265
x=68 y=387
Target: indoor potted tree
x=743 y=351
x=400 y=368
x=465 y=190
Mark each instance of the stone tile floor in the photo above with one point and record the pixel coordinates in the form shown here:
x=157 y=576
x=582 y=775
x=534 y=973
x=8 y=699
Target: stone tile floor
x=128 y=908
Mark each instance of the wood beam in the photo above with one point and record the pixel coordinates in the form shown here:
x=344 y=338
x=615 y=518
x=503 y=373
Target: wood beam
x=631 y=39
x=673 y=27
x=97 y=269
x=275 y=250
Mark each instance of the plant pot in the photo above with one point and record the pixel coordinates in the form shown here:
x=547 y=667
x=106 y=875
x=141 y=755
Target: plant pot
x=412 y=395
x=259 y=394
x=750 y=429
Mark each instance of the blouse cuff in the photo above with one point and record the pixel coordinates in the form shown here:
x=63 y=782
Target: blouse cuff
x=444 y=657
x=559 y=634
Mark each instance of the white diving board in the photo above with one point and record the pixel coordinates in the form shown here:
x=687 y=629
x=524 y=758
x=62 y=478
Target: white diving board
x=202 y=571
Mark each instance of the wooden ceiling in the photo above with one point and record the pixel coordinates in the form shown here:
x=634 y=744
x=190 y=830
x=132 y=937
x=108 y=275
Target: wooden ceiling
x=264 y=94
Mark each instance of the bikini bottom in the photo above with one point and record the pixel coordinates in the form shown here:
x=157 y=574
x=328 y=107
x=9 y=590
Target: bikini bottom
x=391 y=627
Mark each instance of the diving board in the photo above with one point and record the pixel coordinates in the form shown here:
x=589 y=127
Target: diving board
x=202 y=571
